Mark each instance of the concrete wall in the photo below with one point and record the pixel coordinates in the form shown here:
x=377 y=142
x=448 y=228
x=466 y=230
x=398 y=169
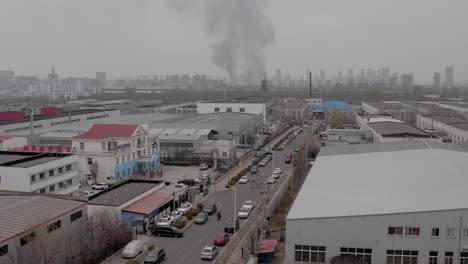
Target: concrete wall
x=15 y=142
x=371 y=232
x=457 y=135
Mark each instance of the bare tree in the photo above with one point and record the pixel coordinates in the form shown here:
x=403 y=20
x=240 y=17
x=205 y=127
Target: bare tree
x=93 y=169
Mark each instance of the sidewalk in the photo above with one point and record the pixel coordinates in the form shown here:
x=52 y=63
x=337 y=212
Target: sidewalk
x=117 y=257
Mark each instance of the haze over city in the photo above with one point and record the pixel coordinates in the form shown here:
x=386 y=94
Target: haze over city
x=125 y=39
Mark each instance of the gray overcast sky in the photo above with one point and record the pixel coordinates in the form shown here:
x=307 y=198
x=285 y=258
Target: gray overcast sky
x=128 y=37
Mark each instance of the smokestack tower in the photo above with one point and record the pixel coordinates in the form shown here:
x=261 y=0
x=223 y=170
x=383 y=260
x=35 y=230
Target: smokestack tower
x=310 y=84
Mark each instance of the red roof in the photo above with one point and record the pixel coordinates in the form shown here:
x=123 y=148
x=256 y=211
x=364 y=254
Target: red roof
x=149 y=203
x=266 y=246
x=3 y=138
x=100 y=131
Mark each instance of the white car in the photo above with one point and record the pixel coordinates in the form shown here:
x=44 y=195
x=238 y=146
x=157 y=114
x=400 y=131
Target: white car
x=209 y=252
x=177 y=215
x=203 y=166
x=271 y=180
x=278 y=171
x=249 y=204
x=132 y=249
x=165 y=221
x=181 y=185
x=88 y=193
x=244 y=212
x=244 y=179
x=185 y=207
x=99 y=186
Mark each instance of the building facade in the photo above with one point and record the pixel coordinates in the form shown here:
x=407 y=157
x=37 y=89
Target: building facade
x=39 y=172
x=248 y=108
x=112 y=153
x=455 y=128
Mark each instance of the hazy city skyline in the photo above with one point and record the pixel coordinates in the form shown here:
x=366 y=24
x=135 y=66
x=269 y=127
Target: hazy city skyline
x=146 y=38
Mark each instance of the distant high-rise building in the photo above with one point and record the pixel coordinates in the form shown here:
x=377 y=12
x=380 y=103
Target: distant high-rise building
x=386 y=74
x=6 y=79
x=449 y=80
x=322 y=77
x=407 y=82
x=52 y=77
x=101 y=78
x=22 y=82
x=437 y=79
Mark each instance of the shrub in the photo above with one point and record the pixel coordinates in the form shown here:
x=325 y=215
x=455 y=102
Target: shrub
x=180 y=224
x=227 y=185
x=200 y=206
x=189 y=215
x=177 y=163
x=151 y=247
x=195 y=211
x=133 y=261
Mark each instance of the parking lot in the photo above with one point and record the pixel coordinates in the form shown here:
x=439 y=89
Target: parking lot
x=176 y=173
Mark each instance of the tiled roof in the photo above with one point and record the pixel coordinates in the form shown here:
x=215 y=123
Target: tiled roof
x=101 y=131
x=149 y=203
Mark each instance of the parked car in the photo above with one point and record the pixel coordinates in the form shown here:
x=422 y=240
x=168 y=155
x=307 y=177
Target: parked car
x=189 y=182
x=270 y=180
x=170 y=231
x=210 y=209
x=165 y=221
x=262 y=163
x=267 y=151
x=181 y=185
x=209 y=252
x=132 y=249
x=280 y=148
x=221 y=239
x=249 y=204
x=296 y=149
x=201 y=218
x=185 y=207
x=268 y=157
x=231 y=225
x=99 y=186
x=244 y=212
x=254 y=170
x=155 y=256
x=88 y=193
x=287 y=160
x=203 y=166
x=277 y=171
x=177 y=215
x=244 y=179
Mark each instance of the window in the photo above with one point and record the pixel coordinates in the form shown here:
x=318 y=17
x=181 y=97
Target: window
x=3 y=250
x=435 y=232
x=76 y=216
x=144 y=152
x=400 y=231
x=41 y=175
x=60 y=170
x=81 y=146
x=307 y=253
x=448 y=257
x=402 y=256
x=68 y=167
x=61 y=185
x=117 y=161
x=451 y=232
x=433 y=257
x=463 y=257
x=242 y=109
x=224 y=153
x=229 y=109
x=133 y=155
x=129 y=171
x=90 y=161
x=33 y=178
x=27 y=238
x=42 y=190
x=216 y=109
x=51 y=173
x=138 y=153
x=123 y=174
x=465 y=232
x=52 y=188
x=123 y=159
x=54 y=226
x=69 y=182
x=363 y=255
x=103 y=145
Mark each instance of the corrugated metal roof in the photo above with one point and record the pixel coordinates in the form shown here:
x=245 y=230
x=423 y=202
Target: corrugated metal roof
x=19 y=213
x=401 y=179
x=393 y=129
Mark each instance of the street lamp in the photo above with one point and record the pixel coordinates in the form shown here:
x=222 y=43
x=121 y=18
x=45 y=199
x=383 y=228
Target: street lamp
x=235 y=209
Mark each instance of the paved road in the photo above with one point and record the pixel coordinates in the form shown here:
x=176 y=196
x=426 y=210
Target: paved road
x=188 y=248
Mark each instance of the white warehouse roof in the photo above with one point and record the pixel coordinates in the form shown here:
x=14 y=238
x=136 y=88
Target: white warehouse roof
x=384 y=178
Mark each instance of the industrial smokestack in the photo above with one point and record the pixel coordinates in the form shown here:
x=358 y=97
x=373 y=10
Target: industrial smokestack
x=310 y=84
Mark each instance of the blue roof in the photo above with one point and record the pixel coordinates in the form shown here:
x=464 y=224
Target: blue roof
x=331 y=105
